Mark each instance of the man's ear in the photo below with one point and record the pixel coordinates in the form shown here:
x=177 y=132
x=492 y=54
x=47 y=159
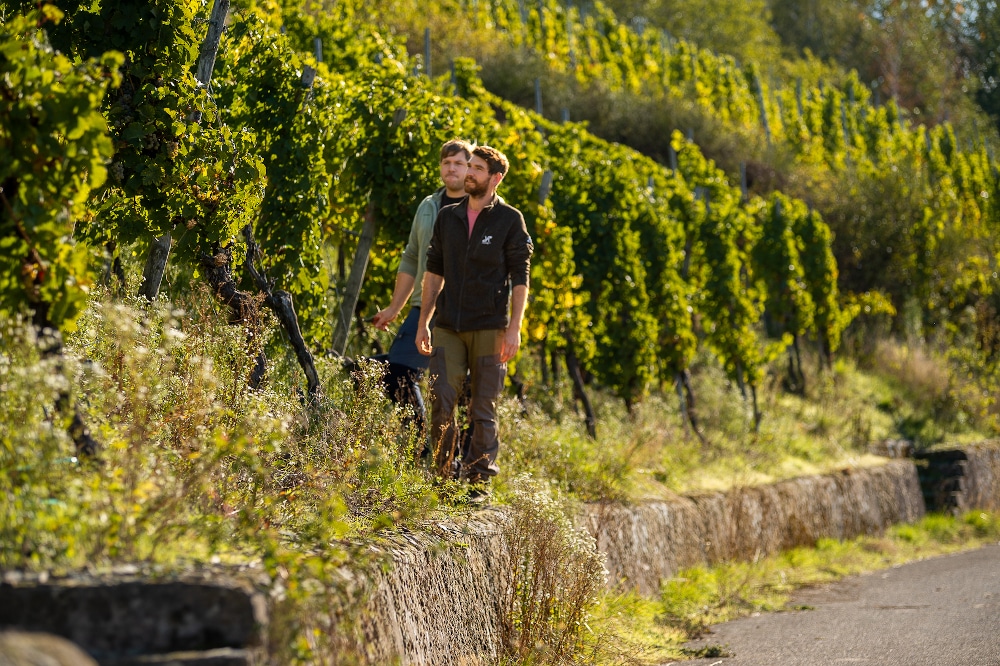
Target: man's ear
x=499 y=177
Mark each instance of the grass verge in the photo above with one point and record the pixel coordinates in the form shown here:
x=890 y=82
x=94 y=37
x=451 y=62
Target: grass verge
x=654 y=630
x=648 y=453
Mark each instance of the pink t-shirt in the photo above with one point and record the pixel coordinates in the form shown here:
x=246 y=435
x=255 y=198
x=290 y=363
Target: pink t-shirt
x=473 y=214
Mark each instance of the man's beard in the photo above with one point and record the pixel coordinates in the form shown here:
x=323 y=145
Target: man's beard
x=474 y=189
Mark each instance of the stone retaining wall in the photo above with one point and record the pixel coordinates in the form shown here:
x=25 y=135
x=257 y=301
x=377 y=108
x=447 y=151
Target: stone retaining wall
x=647 y=543
x=444 y=596
x=444 y=604
x=983 y=472
x=958 y=480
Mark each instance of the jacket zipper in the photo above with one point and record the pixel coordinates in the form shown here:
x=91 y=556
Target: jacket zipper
x=465 y=272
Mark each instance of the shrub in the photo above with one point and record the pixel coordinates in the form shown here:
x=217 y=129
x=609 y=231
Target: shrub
x=556 y=578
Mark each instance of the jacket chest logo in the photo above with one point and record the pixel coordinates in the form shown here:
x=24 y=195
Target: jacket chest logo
x=487 y=240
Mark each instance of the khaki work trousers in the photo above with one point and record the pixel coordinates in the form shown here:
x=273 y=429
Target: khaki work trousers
x=477 y=352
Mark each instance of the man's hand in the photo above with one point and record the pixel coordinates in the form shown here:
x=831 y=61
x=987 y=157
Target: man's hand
x=400 y=294
x=433 y=284
x=423 y=340
x=511 y=343
x=382 y=318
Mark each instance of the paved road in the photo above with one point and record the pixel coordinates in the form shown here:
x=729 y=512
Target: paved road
x=939 y=612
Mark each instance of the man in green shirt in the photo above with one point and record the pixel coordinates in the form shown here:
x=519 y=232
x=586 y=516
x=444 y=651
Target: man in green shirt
x=405 y=363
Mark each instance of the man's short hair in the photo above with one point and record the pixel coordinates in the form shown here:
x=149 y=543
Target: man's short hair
x=495 y=160
x=454 y=147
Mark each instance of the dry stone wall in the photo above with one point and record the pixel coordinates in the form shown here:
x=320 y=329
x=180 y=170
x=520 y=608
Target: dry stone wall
x=958 y=480
x=983 y=474
x=647 y=543
x=443 y=596
x=445 y=605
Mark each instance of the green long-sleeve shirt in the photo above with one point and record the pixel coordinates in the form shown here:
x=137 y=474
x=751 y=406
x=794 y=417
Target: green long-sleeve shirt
x=414 y=261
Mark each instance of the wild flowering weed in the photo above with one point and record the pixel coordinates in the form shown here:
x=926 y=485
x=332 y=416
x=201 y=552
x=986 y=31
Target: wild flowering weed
x=196 y=466
x=188 y=449
x=557 y=575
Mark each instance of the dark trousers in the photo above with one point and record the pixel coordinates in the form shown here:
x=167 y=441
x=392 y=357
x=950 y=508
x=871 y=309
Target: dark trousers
x=403 y=374
x=402 y=384
x=476 y=353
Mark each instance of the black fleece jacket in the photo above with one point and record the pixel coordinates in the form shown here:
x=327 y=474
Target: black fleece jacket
x=479 y=272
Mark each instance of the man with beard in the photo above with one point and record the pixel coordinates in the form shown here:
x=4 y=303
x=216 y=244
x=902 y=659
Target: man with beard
x=405 y=363
x=476 y=280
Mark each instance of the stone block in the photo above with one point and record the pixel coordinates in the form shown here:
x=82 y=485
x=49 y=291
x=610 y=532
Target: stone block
x=958 y=480
x=115 y=617
x=18 y=648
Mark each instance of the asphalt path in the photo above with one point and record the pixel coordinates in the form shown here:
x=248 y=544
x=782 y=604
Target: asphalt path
x=938 y=612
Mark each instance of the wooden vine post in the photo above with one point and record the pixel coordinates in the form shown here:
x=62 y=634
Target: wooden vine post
x=356 y=279
x=159 y=249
